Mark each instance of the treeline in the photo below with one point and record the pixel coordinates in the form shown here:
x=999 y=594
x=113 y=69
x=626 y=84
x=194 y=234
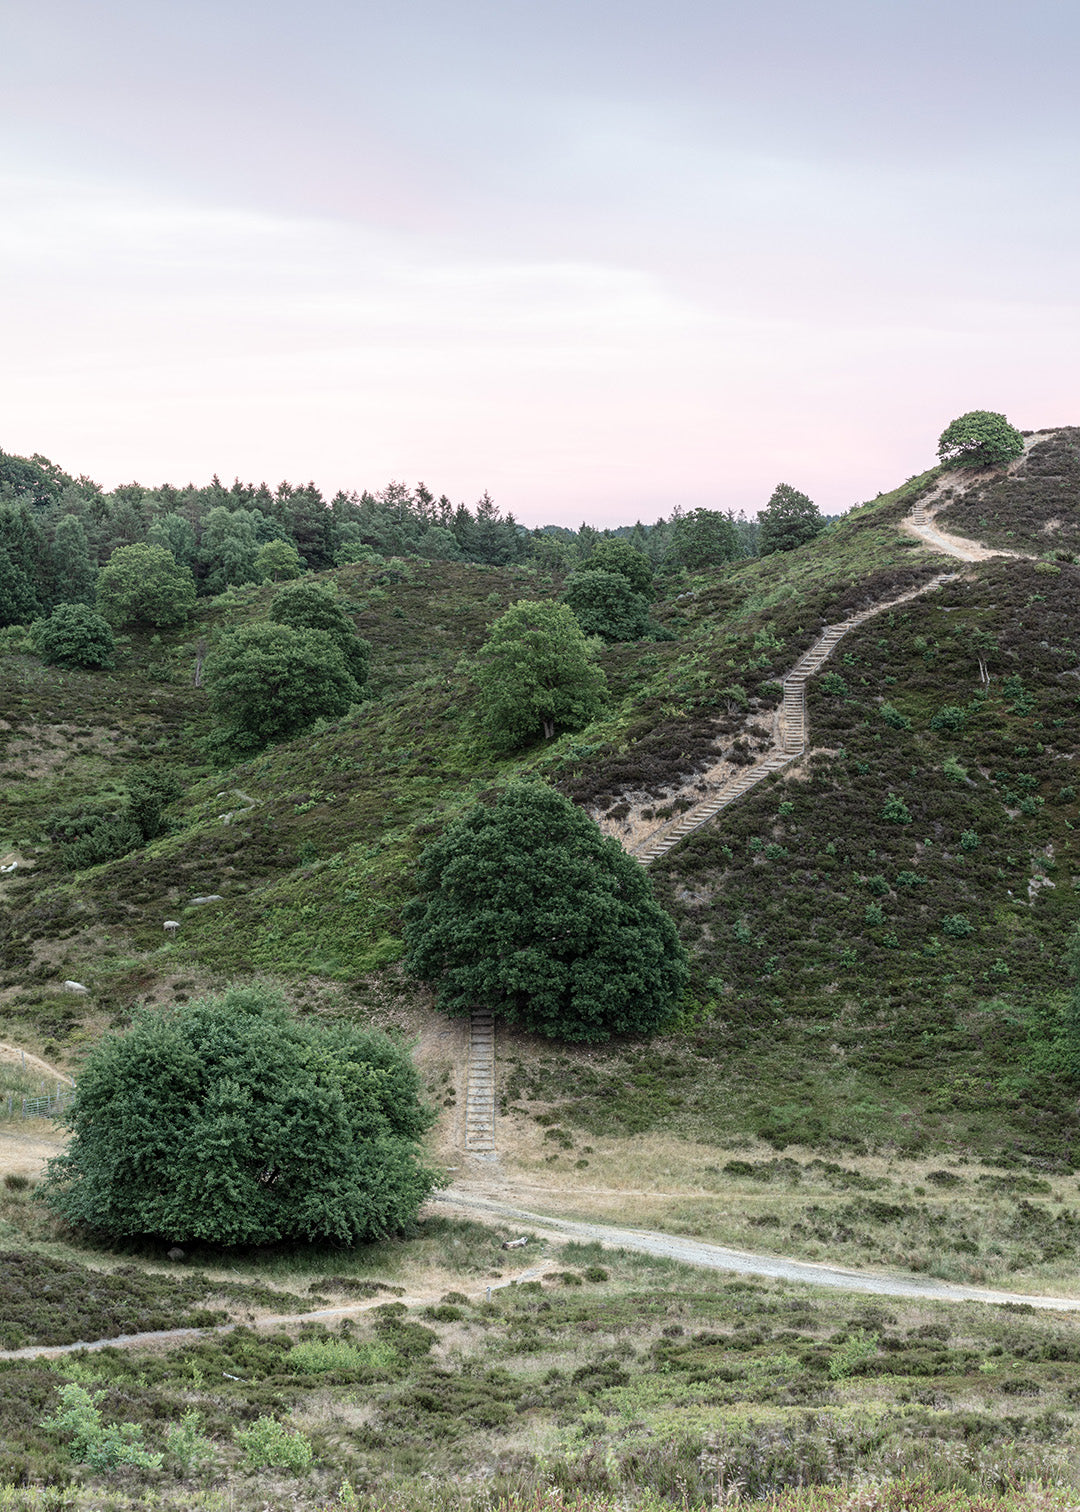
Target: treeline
x=56 y=532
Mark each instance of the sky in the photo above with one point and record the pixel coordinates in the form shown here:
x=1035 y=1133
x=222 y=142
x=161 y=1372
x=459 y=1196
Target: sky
x=600 y=259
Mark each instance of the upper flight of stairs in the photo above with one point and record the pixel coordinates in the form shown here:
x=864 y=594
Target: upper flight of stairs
x=793 y=731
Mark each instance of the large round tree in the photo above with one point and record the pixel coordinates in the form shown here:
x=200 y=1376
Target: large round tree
x=145 y=585
x=270 y=682
x=536 y=674
x=525 y=908
x=228 y=1121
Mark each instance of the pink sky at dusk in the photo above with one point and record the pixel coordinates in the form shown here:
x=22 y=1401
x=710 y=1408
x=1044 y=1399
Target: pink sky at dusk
x=599 y=259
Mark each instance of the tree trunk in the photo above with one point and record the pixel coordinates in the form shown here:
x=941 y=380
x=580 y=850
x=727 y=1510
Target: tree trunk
x=549 y=729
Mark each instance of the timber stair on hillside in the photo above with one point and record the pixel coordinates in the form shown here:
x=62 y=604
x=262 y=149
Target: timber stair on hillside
x=793 y=729
x=791 y=744
x=480 y=1085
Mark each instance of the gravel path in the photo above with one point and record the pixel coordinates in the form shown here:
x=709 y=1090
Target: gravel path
x=747 y=1262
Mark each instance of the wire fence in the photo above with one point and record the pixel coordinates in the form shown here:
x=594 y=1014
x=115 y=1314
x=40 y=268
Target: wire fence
x=42 y=1105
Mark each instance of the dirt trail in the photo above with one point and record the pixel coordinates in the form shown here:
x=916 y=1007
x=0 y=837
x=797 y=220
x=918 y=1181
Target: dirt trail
x=276 y=1320
x=14 y=1056
x=920 y=522
x=747 y=1262
x=559 y=1230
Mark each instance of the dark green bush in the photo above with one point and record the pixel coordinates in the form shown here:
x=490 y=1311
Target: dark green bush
x=229 y=1121
x=524 y=907
x=74 y=636
x=607 y=605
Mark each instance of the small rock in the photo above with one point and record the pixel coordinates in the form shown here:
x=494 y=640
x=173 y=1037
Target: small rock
x=515 y=1243
x=176 y=1254
x=210 y=898
x=10 y=868
x=75 y=987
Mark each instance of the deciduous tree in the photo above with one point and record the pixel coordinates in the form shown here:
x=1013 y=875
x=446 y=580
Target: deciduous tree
x=536 y=674
x=616 y=555
x=143 y=584
x=525 y=908
x=74 y=636
x=981 y=438
x=270 y=682
x=606 y=604
x=701 y=539
x=305 y=606
x=790 y=519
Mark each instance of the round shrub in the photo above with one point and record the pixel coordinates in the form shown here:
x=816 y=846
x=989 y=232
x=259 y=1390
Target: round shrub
x=74 y=636
x=950 y=717
x=895 y=810
x=269 y=682
x=228 y=1121
x=957 y=926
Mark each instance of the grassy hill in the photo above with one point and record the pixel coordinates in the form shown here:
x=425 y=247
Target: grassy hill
x=877 y=935
x=870 y=1067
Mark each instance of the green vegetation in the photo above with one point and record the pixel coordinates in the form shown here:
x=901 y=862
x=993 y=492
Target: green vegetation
x=74 y=636
x=642 y=1385
x=1030 y=508
x=536 y=674
x=279 y=561
x=874 y=1060
x=144 y=585
x=304 y=606
x=606 y=604
x=227 y=1121
x=703 y=538
x=981 y=438
x=268 y=682
x=790 y=519
x=525 y=908
x=615 y=555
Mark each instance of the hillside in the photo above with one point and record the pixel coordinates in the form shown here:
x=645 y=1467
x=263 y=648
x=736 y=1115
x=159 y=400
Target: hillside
x=859 y=982
x=871 y=1067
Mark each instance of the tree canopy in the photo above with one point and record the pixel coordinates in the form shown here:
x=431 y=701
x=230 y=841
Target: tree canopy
x=143 y=584
x=278 y=561
x=790 y=519
x=615 y=555
x=525 y=908
x=270 y=682
x=305 y=606
x=981 y=438
x=536 y=674
x=74 y=636
x=228 y=1121
x=703 y=538
x=606 y=604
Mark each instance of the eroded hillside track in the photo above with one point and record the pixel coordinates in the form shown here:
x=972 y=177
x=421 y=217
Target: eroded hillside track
x=790 y=745
x=792 y=729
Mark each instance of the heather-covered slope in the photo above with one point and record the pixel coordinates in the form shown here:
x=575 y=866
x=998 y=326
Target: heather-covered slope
x=877 y=935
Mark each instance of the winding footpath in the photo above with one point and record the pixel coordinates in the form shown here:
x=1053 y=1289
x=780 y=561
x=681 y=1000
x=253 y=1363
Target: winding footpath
x=790 y=745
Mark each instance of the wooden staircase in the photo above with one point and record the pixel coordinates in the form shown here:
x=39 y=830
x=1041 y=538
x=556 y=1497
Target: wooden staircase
x=792 y=731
